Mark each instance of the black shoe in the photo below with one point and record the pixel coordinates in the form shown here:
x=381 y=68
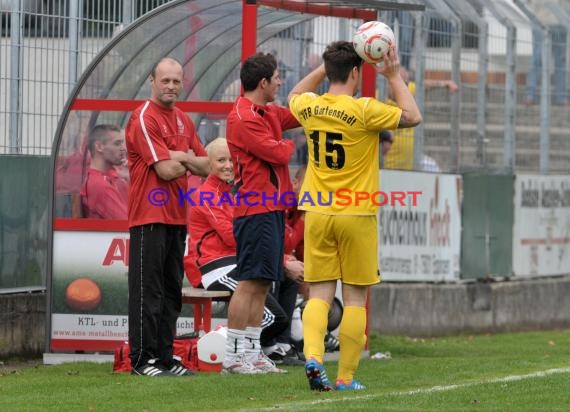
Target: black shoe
x=178 y=369
x=152 y=368
x=293 y=358
x=331 y=343
x=278 y=355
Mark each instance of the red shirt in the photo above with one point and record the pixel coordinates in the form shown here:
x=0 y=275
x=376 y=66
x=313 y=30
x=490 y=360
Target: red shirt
x=104 y=195
x=69 y=170
x=260 y=156
x=210 y=226
x=295 y=233
x=151 y=132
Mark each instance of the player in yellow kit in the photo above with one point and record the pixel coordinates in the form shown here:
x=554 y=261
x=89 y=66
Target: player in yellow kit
x=401 y=154
x=340 y=223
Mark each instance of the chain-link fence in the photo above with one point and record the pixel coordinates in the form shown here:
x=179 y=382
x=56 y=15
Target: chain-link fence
x=45 y=45
x=478 y=68
x=491 y=77
x=492 y=97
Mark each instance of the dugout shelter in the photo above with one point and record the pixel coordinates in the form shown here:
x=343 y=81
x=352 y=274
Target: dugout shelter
x=210 y=39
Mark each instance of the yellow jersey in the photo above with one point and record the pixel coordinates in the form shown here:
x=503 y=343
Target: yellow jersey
x=401 y=154
x=342 y=137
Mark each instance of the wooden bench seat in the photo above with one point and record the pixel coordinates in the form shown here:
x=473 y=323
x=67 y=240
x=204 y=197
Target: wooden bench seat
x=202 y=301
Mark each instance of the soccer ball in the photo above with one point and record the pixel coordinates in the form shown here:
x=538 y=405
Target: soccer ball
x=372 y=39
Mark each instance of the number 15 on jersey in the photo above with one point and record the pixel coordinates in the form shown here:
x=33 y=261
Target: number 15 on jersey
x=334 y=151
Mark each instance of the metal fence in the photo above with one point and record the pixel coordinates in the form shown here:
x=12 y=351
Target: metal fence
x=472 y=64
x=44 y=47
x=493 y=121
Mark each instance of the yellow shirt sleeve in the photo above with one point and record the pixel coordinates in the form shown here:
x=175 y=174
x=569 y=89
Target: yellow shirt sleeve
x=401 y=154
x=299 y=101
x=378 y=115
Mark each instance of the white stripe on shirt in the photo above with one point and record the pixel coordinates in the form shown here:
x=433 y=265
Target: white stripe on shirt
x=147 y=137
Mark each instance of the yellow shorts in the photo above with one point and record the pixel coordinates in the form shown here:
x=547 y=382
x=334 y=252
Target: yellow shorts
x=341 y=247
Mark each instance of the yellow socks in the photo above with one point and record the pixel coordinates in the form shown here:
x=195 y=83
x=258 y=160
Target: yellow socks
x=315 y=320
x=352 y=340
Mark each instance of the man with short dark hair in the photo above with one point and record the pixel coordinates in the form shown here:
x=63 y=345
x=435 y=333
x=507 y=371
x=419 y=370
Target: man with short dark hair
x=261 y=157
x=341 y=237
x=104 y=193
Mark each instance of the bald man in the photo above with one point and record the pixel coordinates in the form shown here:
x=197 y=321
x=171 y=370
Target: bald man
x=163 y=148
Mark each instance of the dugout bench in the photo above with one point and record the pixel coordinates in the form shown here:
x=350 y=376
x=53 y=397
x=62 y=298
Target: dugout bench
x=202 y=300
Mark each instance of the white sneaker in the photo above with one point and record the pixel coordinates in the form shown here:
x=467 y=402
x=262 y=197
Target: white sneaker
x=239 y=365
x=285 y=346
x=269 y=349
x=277 y=355
x=261 y=362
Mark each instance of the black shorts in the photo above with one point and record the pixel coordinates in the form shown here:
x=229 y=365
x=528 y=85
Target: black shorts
x=260 y=243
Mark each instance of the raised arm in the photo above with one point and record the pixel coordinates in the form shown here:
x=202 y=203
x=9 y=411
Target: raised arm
x=449 y=84
x=411 y=115
x=310 y=82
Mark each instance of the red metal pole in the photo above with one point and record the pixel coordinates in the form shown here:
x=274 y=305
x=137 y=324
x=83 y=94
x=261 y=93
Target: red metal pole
x=248 y=29
x=368 y=72
x=368 y=80
x=368 y=90
x=320 y=8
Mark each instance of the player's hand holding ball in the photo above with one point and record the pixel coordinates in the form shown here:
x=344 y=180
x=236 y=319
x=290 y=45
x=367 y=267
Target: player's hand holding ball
x=391 y=66
x=373 y=40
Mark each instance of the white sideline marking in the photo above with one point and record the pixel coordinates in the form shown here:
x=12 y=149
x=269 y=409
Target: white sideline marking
x=439 y=388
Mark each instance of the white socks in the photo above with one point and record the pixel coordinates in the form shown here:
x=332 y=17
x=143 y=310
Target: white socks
x=239 y=342
x=235 y=344
x=252 y=343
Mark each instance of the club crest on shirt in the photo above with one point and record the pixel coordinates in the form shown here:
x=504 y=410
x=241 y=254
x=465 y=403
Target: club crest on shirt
x=180 y=126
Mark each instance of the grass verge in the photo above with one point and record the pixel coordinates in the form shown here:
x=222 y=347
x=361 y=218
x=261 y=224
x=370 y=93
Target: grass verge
x=522 y=371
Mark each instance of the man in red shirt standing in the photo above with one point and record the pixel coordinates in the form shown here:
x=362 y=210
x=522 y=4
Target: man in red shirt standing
x=162 y=147
x=104 y=194
x=261 y=158
x=211 y=259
